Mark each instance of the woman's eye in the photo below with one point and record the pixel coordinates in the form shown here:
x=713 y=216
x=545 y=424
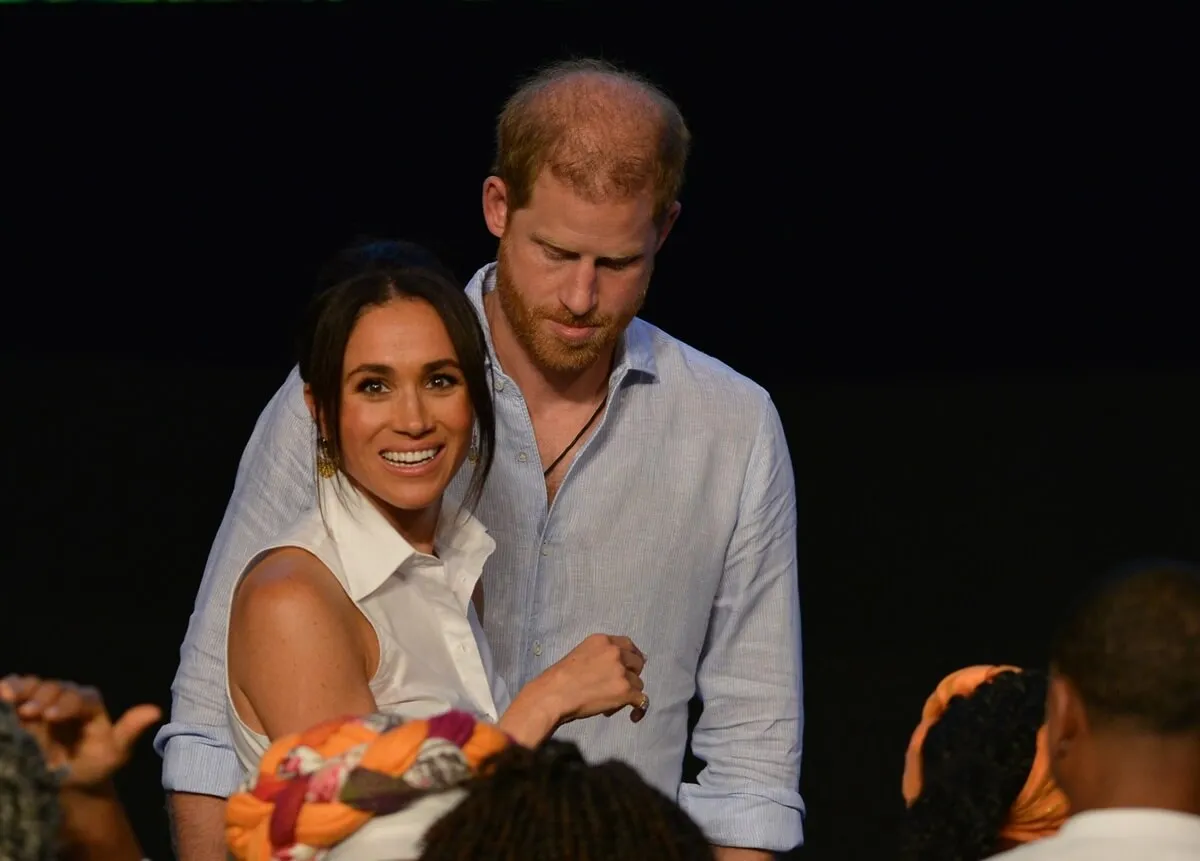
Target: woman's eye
x=372 y=387
x=442 y=381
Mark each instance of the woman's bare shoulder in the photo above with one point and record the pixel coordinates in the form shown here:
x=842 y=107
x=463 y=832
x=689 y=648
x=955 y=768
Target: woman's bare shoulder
x=292 y=587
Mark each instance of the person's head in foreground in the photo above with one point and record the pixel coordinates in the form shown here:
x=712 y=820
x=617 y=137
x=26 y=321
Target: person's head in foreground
x=29 y=811
x=977 y=773
x=548 y=804
x=1124 y=705
x=1123 y=720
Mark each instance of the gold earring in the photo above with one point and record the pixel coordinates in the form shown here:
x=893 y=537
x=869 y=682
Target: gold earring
x=473 y=451
x=326 y=468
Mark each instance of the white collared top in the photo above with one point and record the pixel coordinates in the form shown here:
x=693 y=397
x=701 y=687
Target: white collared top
x=433 y=654
x=1117 y=835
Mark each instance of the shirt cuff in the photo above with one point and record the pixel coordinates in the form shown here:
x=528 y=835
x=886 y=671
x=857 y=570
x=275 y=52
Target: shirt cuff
x=768 y=819
x=197 y=764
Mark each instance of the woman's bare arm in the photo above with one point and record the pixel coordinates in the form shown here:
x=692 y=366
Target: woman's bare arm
x=300 y=652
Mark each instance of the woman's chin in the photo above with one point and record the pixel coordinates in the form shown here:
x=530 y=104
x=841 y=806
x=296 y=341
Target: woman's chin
x=410 y=501
x=404 y=493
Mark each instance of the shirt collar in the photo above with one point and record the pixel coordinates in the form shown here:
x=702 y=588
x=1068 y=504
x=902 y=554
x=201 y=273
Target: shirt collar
x=635 y=351
x=372 y=551
x=1157 y=825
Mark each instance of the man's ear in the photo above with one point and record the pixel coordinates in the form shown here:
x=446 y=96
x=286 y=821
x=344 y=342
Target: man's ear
x=495 y=205
x=1066 y=719
x=665 y=230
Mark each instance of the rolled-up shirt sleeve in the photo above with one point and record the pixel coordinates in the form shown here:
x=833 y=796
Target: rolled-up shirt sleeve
x=750 y=678
x=274 y=484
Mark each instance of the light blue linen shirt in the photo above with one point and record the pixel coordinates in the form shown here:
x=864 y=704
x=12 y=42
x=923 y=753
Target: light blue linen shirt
x=675 y=526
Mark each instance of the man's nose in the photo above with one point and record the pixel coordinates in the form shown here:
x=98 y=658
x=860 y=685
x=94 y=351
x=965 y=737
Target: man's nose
x=579 y=295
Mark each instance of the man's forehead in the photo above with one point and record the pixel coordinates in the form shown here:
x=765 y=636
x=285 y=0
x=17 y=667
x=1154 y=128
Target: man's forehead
x=595 y=187
x=566 y=220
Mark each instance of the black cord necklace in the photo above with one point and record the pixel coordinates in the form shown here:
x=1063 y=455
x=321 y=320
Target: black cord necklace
x=582 y=431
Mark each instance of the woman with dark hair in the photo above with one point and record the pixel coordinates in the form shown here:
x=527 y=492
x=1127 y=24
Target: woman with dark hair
x=977 y=774
x=368 y=602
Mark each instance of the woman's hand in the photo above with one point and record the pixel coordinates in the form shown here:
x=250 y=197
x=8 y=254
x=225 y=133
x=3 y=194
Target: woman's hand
x=602 y=675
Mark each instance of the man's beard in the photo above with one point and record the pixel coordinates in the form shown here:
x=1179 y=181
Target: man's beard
x=539 y=342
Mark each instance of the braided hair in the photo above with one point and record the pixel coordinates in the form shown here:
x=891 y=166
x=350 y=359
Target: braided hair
x=548 y=804
x=975 y=761
x=28 y=795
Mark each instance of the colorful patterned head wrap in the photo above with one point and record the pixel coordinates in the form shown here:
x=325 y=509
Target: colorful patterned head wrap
x=316 y=788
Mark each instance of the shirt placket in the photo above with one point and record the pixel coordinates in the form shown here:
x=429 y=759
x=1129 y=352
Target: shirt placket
x=534 y=648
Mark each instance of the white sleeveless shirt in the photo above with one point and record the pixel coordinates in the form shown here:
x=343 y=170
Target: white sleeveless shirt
x=433 y=655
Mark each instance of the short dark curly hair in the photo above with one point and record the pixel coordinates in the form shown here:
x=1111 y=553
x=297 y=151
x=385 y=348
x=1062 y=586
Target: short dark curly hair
x=548 y=804
x=1131 y=647
x=29 y=814
x=975 y=761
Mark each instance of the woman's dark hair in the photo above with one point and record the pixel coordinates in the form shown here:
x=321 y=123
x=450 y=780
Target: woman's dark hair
x=372 y=254
x=330 y=319
x=974 y=763
x=548 y=804
x=29 y=813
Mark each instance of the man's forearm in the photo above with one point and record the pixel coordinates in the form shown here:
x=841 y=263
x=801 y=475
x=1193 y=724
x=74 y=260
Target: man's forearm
x=197 y=826
x=732 y=853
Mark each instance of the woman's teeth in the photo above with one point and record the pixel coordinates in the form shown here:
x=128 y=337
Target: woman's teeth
x=410 y=458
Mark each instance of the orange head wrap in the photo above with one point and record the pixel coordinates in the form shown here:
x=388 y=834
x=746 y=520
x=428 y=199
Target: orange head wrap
x=1040 y=808
x=314 y=789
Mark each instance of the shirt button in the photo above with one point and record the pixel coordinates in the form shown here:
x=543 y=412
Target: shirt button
x=537 y=648
x=545 y=549
x=522 y=457
x=499 y=384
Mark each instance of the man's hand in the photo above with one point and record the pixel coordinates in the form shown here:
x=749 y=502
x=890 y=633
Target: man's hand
x=74 y=730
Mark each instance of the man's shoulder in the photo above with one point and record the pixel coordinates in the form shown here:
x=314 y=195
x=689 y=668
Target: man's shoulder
x=291 y=393
x=279 y=451
x=287 y=406
x=695 y=375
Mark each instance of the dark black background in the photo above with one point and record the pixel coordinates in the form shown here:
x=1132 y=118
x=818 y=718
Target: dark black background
x=958 y=247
